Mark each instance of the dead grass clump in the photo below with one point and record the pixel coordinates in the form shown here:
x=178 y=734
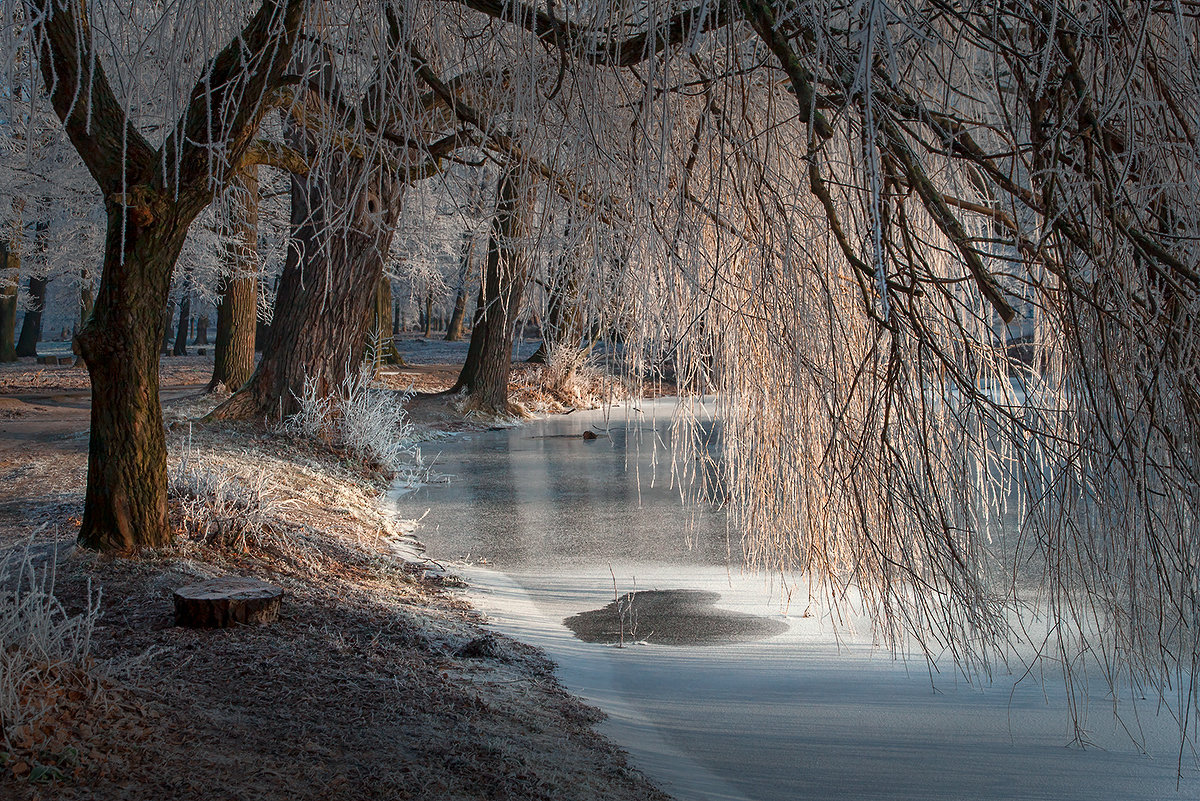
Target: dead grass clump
x=49 y=680
x=570 y=379
x=221 y=508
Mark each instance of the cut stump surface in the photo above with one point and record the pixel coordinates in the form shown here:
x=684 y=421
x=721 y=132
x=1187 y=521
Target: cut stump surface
x=225 y=601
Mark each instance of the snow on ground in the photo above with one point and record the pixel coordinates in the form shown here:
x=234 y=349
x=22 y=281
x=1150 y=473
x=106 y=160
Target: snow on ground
x=814 y=713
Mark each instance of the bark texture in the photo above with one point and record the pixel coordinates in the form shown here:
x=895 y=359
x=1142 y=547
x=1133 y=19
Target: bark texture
x=152 y=195
x=237 y=311
x=327 y=291
x=126 y=502
x=458 y=315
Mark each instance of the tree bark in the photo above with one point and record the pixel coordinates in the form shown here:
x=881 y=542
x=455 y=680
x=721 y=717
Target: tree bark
x=31 y=326
x=126 y=501
x=484 y=376
x=458 y=315
x=9 y=271
x=237 y=311
x=201 y=330
x=181 y=330
x=327 y=290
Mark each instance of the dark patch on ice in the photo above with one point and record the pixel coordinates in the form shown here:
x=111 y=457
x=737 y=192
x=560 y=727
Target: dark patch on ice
x=670 y=617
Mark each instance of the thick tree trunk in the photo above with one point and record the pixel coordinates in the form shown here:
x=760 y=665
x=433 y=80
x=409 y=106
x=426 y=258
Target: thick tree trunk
x=152 y=195
x=126 y=501
x=31 y=327
x=429 y=313
x=237 y=311
x=9 y=272
x=326 y=293
x=181 y=330
x=485 y=374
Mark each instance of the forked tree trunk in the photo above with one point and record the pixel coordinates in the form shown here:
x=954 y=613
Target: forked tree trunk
x=126 y=501
x=485 y=374
x=237 y=311
x=326 y=293
x=151 y=196
x=31 y=327
x=9 y=271
x=181 y=330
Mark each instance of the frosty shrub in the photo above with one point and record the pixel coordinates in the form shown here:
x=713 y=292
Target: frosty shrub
x=221 y=508
x=365 y=420
x=44 y=653
x=571 y=378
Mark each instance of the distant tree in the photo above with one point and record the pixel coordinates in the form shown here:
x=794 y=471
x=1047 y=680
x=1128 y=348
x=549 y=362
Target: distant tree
x=9 y=275
x=237 y=309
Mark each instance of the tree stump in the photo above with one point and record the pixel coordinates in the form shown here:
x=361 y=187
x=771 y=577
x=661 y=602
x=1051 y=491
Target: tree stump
x=225 y=601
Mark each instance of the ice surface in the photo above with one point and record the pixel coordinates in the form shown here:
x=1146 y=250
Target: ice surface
x=813 y=713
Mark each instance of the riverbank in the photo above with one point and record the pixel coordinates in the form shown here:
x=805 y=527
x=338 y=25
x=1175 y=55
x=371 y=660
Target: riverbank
x=376 y=682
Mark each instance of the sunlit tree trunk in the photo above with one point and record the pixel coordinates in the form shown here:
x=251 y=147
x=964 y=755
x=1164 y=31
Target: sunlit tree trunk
x=126 y=504
x=327 y=291
x=151 y=197
x=237 y=310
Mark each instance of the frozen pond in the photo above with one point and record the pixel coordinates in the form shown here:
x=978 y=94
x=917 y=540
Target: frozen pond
x=724 y=689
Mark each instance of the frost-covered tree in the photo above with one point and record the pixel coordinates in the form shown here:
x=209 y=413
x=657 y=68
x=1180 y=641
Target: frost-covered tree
x=223 y=70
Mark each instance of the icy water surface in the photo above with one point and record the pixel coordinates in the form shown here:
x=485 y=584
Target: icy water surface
x=719 y=684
